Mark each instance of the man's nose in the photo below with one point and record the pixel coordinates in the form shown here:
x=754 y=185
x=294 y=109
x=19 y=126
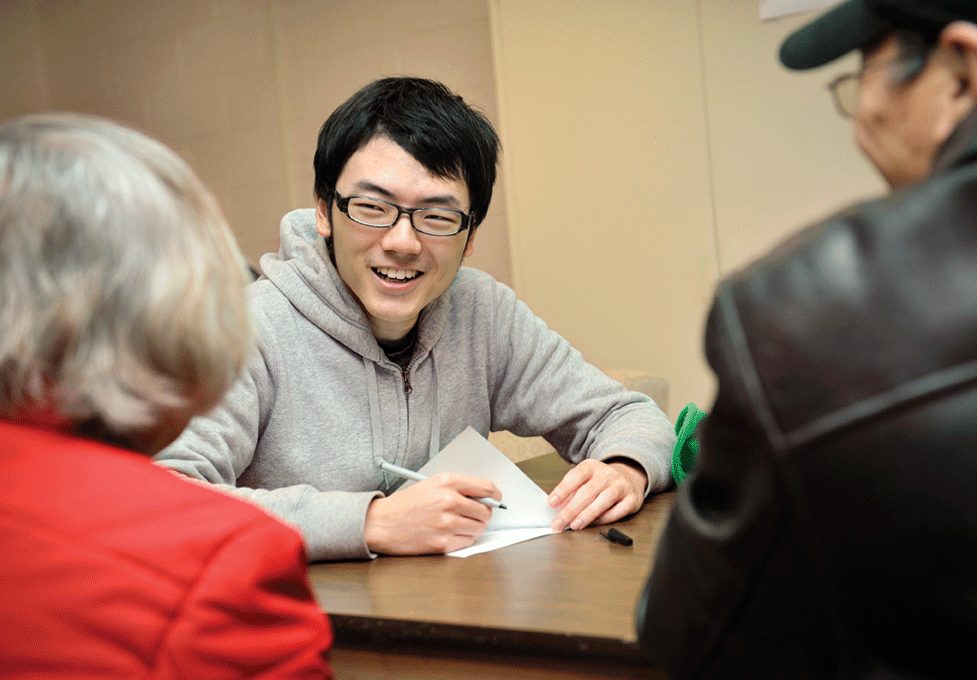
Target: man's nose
x=401 y=237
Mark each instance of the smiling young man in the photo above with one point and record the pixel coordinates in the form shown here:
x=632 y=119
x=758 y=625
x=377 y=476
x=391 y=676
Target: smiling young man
x=830 y=529
x=395 y=272
x=375 y=344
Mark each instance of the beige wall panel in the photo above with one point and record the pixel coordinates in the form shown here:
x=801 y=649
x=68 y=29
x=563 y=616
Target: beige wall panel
x=240 y=87
x=648 y=146
x=200 y=76
x=781 y=155
x=680 y=109
x=23 y=81
x=608 y=180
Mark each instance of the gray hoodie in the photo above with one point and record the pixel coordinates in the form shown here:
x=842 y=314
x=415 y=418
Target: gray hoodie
x=319 y=405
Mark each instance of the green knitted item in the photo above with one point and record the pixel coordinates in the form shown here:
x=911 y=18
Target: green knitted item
x=686 y=445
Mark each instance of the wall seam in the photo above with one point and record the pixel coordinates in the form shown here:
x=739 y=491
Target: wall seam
x=283 y=107
x=508 y=160
x=707 y=120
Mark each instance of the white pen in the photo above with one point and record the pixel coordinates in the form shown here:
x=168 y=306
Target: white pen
x=418 y=477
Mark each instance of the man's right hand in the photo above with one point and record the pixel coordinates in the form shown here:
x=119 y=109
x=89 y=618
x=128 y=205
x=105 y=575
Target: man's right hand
x=437 y=515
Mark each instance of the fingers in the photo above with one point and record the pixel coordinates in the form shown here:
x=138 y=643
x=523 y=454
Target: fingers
x=617 y=512
x=472 y=487
x=457 y=495
x=460 y=527
x=432 y=516
x=593 y=492
x=580 y=512
x=572 y=480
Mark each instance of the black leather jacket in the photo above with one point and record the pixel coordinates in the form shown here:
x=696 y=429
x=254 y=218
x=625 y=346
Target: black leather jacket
x=830 y=528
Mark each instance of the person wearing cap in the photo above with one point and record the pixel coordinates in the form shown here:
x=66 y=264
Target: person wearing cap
x=830 y=527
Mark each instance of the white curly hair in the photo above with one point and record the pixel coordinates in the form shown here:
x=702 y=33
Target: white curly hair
x=121 y=285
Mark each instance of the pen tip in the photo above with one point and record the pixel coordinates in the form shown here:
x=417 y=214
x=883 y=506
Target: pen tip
x=502 y=506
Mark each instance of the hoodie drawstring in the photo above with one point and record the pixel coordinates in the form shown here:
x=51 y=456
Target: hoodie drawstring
x=376 y=429
x=435 y=444
x=373 y=394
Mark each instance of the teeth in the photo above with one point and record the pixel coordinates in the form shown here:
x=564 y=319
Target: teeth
x=399 y=274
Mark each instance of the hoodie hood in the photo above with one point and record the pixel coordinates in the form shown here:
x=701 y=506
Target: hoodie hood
x=302 y=271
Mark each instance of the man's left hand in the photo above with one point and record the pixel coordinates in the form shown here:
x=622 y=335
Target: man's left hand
x=595 y=492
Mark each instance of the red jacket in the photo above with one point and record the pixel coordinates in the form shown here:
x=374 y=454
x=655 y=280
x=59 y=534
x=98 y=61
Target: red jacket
x=113 y=567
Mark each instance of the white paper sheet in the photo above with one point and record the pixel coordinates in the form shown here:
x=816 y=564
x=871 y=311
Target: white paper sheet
x=493 y=540
x=526 y=515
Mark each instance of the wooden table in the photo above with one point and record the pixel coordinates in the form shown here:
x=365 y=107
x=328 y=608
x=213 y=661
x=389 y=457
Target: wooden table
x=558 y=606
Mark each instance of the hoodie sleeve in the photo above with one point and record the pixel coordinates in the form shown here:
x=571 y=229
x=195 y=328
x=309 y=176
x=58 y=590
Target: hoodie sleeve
x=219 y=446
x=542 y=385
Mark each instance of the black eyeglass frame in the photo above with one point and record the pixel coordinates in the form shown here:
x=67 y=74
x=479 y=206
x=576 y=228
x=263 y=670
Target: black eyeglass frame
x=342 y=202
x=908 y=64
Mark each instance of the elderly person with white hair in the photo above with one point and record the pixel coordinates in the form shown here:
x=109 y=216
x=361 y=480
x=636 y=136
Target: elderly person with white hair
x=123 y=315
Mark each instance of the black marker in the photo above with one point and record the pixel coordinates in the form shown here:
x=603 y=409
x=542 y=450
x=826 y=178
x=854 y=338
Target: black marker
x=616 y=536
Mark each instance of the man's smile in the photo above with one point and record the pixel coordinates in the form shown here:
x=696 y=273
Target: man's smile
x=394 y=272
x=391 y=274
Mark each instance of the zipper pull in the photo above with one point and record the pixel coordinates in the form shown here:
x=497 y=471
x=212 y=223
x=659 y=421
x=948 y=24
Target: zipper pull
x=408 y=388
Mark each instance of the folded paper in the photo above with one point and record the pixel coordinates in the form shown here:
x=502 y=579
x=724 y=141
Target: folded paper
x=528 y=516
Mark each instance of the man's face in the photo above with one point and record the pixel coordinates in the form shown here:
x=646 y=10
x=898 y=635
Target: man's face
x=395 y=272
x=901 y=126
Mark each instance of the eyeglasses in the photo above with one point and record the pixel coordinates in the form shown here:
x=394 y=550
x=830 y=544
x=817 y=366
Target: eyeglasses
x=375 y=212
x=844 y=88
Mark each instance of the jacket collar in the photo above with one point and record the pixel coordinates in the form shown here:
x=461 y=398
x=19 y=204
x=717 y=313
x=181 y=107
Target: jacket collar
x=960 y=147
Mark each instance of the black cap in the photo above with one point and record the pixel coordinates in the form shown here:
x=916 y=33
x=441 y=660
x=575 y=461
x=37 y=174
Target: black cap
x=858 y=23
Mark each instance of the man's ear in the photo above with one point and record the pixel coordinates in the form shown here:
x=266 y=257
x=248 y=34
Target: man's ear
x=959 y=43
x=323 y=218
x=961 y=38
x=470 y=244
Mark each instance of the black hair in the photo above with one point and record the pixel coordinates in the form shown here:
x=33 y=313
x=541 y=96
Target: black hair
x=427 y=120
x=915 y=48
